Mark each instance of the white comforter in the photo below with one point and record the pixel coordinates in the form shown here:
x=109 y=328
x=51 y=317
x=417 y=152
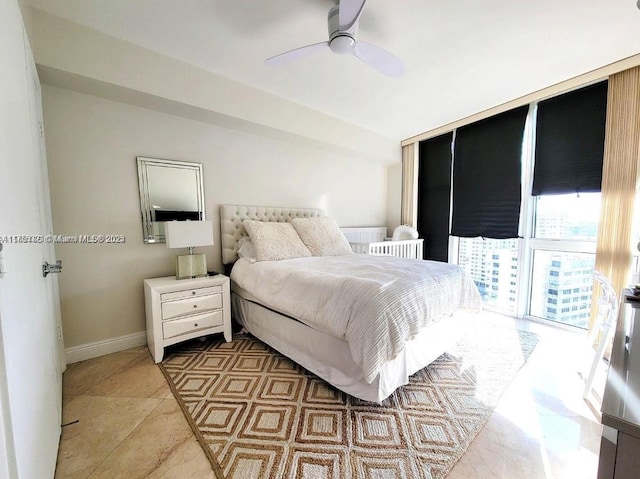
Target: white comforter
x=375 y=303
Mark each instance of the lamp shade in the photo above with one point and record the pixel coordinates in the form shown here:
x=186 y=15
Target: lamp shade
x=186 y=234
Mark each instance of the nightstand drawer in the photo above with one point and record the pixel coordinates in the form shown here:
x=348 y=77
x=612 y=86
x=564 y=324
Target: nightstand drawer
x=173 y=309
x=190 y=324
x=181 y=309
x=190 y=293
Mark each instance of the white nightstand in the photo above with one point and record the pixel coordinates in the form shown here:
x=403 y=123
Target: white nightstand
x=181 y=309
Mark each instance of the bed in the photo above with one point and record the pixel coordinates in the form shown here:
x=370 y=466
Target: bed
x=359 y=322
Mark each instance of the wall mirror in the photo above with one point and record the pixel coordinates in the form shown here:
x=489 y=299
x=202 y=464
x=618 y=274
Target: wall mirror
x=169 y=190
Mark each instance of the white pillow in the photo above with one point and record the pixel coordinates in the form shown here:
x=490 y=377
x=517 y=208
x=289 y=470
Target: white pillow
x=322 y=236
x=275 y=241
x=404 y=232
x=246 y=249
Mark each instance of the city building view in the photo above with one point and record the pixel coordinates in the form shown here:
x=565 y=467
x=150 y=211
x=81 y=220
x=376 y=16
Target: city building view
x=562 y=287
x=493 y=265
x=561 y=281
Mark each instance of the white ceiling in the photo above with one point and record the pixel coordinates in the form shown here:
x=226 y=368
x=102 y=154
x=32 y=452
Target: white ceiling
x=461 y=56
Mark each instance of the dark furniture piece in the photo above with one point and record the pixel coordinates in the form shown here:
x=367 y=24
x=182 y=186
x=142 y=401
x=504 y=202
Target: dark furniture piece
x=620 y=443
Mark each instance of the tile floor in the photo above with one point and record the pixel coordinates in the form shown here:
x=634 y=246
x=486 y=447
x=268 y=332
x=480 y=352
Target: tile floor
x=121 y=420
x=542 y=427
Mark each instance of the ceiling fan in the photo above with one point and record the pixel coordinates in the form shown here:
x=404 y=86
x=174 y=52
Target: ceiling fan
x=343 y=28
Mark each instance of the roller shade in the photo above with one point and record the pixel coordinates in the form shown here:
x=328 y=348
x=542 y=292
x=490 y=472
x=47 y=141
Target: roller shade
x=434 y=195
x=570 y=141
x=487 y=176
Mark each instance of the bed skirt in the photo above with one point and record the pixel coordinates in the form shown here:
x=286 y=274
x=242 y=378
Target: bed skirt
x=330 y=358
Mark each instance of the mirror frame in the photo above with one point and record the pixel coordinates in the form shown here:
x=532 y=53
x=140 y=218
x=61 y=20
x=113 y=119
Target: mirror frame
x=144 y=163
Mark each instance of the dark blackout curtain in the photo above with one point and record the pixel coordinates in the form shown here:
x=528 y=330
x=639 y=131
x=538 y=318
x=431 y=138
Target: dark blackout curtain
x=487 y=176
x=570 y=141
x=434 y=194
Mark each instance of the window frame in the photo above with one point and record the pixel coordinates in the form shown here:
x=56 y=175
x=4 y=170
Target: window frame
x=553 y=245
x=527 y=244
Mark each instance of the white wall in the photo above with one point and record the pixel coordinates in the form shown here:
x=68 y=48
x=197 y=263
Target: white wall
x=108 y=101
x=92 y=144
x=81 y=59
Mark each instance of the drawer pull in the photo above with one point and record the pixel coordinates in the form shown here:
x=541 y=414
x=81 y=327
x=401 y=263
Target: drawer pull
x=195 y=325
x=193 y=292
x=195 y=306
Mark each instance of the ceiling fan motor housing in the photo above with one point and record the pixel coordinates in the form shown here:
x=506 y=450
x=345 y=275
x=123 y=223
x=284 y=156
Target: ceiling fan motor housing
x=340 y=41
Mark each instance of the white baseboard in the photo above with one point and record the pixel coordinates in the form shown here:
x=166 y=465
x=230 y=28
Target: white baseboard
x=108 y=346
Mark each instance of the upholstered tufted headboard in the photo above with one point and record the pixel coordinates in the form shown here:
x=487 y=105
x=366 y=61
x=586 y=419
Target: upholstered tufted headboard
x=231 y=217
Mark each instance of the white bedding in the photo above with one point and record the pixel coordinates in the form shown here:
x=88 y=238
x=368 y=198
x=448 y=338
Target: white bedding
x=375 y=303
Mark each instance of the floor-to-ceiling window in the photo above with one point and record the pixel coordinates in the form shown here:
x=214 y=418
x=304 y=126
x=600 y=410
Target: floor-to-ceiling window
x=545 y=270
x=553 y=274
x=562 y=248
x=493 y=265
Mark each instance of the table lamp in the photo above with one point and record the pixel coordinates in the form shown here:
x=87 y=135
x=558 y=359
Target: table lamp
x=189 y=234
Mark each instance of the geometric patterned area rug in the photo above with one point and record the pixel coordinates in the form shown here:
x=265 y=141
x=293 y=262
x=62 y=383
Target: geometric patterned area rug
x=258 y=415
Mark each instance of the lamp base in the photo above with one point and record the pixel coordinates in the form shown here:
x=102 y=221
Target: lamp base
x=191 y=266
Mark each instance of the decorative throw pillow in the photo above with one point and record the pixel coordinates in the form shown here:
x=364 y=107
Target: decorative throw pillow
x=322 y=236
x=275 y=241
x=246 y=250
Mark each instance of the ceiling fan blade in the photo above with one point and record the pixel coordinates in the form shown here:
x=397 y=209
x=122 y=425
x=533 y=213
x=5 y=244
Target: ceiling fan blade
x=296 y=53
x=380 y=59
x=349 y=12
